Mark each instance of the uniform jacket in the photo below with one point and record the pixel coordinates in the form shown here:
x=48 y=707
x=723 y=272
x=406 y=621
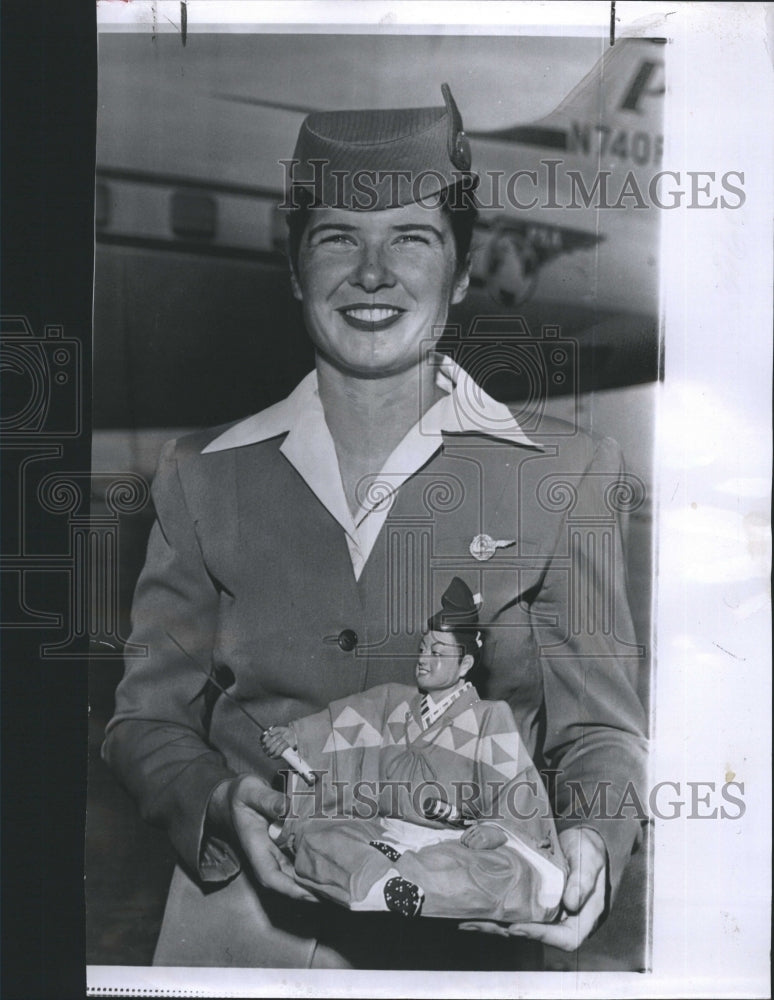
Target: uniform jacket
x=253 y=577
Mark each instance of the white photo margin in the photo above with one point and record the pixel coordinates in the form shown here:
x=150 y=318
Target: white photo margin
x=712 y=691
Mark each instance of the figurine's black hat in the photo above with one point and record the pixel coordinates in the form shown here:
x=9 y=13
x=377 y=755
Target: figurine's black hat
x=459 y=609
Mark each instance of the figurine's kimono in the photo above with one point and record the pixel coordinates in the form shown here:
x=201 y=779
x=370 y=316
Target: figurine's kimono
x=363 y=822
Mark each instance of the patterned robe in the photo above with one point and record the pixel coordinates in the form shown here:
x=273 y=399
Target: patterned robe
x=364 y=821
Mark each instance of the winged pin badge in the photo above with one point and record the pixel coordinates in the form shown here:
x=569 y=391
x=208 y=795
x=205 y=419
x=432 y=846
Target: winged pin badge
x=483 y=547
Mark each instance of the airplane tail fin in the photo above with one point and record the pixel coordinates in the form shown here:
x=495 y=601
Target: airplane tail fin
x=622 y=94
x=624 y=89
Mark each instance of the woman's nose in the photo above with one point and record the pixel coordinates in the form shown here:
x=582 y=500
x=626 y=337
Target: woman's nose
x=372 y=271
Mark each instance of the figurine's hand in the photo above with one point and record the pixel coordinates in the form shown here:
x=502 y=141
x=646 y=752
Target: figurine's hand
x=276 y=739
x=583 y=900
x=483 y=838
x=244 y=806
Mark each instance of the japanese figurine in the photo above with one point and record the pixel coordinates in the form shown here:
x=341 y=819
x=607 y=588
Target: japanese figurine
x=426 y=800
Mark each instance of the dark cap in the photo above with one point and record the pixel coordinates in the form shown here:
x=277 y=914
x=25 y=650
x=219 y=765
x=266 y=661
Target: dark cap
x=459 y=609
x=376 y=159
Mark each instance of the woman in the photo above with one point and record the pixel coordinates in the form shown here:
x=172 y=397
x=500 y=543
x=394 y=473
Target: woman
x=297 y=553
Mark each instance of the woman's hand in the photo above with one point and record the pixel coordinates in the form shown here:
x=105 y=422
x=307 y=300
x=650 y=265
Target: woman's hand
x=245 y=806
x=483 y=837
x=583 y=900
x=276 y=739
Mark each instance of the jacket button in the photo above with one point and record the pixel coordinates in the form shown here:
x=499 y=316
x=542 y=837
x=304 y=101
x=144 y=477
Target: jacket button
x=347 y=640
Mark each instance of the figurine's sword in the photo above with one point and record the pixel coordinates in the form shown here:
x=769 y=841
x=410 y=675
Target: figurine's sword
x=289 y=755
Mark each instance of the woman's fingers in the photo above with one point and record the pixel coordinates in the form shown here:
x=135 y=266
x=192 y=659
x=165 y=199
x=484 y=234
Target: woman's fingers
x=486 y=926
x=256 y=796
x=271 y=867
x=253 y=805
x=587 y=857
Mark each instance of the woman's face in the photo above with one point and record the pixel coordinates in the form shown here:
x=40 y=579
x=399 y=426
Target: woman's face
x=376 y=286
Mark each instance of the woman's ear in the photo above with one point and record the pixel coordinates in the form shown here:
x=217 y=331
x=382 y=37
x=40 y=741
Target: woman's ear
x=461 y=282
x=295 y=284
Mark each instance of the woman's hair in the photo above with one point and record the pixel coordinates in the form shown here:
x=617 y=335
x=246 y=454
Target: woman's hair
x=458 y=203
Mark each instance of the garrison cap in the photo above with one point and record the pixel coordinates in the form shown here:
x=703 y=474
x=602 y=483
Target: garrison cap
x=375 y=159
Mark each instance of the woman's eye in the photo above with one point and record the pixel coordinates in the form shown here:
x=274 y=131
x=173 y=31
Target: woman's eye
x=409 y=238
x=338 y=239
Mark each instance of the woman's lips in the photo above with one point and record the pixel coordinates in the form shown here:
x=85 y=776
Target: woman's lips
x=371 y=318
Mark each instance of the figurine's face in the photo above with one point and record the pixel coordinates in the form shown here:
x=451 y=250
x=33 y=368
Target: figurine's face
x=441 y=665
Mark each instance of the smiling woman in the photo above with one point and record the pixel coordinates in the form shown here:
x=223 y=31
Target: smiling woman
x=297 y=553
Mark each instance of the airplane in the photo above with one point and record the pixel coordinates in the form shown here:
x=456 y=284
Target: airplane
x=569 y=247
